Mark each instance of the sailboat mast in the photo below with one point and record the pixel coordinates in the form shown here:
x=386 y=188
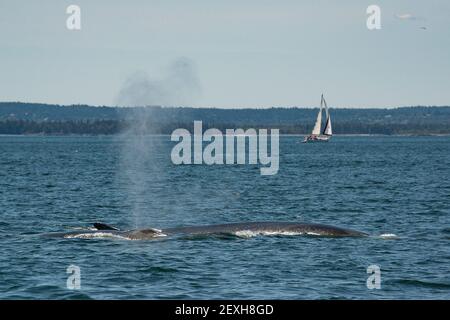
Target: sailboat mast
x=326 y=107
x=327 y=130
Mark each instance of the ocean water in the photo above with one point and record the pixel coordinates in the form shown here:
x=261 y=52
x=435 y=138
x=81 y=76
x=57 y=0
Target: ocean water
x=380 y=185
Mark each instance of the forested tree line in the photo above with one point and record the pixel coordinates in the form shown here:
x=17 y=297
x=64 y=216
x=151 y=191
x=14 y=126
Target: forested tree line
x=106 y=127
x=29 y=118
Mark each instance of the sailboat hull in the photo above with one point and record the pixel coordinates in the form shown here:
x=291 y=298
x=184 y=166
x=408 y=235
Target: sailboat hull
x=314 y=138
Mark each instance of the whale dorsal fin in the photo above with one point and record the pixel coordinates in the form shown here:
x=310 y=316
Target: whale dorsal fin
x=102 y=226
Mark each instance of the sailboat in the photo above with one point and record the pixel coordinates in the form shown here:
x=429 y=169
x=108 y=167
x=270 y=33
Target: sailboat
x=317 y=135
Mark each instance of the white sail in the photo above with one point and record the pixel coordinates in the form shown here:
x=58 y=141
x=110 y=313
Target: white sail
x=327 y=131
x=318 y=125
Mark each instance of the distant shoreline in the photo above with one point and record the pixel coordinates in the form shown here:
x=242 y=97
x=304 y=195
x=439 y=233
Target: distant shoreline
x=28 y=118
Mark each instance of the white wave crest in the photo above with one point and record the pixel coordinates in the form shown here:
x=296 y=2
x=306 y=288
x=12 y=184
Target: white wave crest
x=96 y=235
x=107 y=235
x=160 y=234
x=84 y=228
x=388 y=236
x=249 y=233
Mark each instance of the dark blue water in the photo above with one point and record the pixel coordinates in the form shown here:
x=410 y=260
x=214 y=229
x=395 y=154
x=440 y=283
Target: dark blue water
x=379 y=185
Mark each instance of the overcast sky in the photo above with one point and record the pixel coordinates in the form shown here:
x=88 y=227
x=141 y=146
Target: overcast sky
x=228 y=53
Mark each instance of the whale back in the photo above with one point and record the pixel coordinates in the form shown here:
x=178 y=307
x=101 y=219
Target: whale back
x=143 y=234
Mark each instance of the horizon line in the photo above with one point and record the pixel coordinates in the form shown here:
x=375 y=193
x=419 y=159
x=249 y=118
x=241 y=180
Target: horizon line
x=222 y=108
